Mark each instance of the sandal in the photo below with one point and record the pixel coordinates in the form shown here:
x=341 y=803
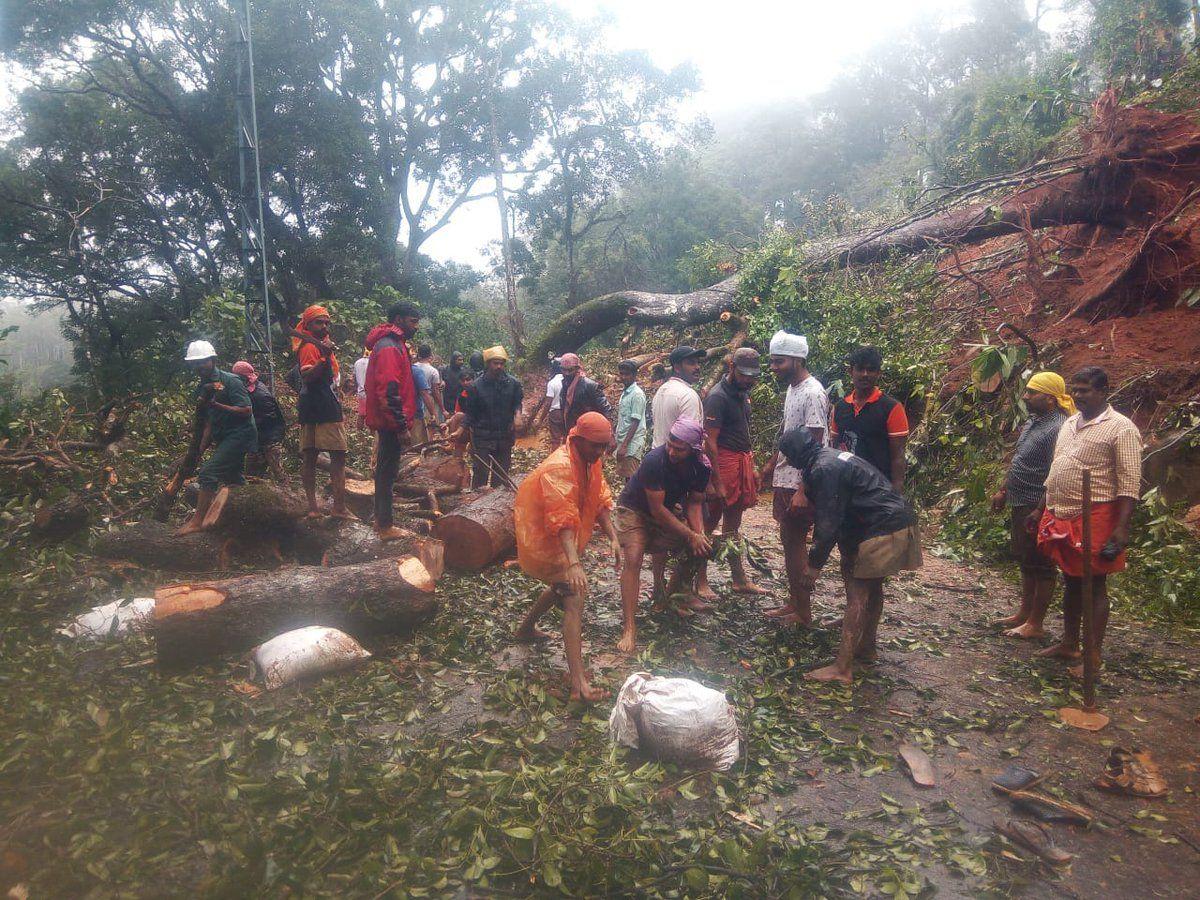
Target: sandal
x=1131 y=772
x=1036 y=839
x=1047 y=809
x=1016 y=777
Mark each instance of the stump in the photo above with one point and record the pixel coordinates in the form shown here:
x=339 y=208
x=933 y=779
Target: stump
x=360 y=498
x=199 y=621
x=59 y=521
x=478 y=533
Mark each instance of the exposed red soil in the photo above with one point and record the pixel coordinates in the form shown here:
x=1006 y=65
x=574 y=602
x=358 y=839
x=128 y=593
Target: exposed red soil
x=1115 y=294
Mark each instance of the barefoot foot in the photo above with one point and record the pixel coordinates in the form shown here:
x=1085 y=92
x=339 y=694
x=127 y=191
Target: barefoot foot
x=793 y=619
x=706 y=593
x=1009 y=621
x=1025 y=630
x=777 y=611
x=748 y=587
x=627 y=643
x=189 y=528
x=1060 y=651
x=531 y=635
x=829 y=673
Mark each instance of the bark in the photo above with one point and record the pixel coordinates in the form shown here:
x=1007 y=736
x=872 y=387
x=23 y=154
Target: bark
x=203 y=620
x=59 y=521
x=255 y=510
x=155 y=545
x=336 y=542
x=479 y=533
x=360 y=498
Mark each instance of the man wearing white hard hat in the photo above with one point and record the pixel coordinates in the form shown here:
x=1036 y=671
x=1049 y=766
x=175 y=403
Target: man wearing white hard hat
x=806 y=405
x=229 y=426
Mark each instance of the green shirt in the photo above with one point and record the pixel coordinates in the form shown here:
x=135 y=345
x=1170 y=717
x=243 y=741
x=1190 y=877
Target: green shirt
x=632 y=406
x=227 y=389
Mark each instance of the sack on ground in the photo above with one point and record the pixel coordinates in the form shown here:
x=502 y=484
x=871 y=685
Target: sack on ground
x=111 y=619
x=676 y=720
x=306 y=653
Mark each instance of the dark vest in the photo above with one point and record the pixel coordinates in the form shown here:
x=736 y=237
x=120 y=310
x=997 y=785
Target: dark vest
x=495 y=407
x=866 y=434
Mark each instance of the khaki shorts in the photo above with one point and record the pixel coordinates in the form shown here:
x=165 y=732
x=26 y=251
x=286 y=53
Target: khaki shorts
x=420 y=434
x=887 y=554
x=627 y=465
x=637 y=531
x=323 y=436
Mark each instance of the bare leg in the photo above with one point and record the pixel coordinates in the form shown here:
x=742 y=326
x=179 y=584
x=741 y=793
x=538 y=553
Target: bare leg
x=527 y=630
x=1041 y=594
x=631 y=587
x=308 y=477
x=274 y=455
x=1068 y=647
x=737 y=563
x=337 y=481
x=793 y=536
x=857 y=599
x=658 y=566
x=573 y=639
x=866 y=651
x=203 y=501
x=703 y=591
x=1028 y=586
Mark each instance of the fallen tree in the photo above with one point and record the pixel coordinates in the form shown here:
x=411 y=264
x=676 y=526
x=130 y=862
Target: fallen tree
x=199 y=621
x=480 y=532
x=1135 y=169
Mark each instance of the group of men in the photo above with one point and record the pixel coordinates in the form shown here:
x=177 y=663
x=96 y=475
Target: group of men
x=838 y=473
x=401 y=399
x=689 y=473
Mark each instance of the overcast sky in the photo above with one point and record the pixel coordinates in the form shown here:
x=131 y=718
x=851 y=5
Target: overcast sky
x=748 y=52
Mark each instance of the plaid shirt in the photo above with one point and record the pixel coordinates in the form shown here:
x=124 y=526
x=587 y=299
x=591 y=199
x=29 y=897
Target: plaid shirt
x=1111 y=446
x=1030 y=464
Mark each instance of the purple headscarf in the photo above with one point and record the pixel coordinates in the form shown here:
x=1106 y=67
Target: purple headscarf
x=691 y=432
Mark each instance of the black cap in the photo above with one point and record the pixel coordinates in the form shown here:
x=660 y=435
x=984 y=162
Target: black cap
x=746 y=362
x=679 y=354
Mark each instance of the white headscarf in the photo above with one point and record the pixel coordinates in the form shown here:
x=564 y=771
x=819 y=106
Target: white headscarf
x=785 y=344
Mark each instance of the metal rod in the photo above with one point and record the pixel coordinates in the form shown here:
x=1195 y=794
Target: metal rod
x=1089 y=626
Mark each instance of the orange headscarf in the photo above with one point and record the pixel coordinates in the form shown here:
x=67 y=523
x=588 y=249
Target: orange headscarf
x=563 y=492
x=306 y=317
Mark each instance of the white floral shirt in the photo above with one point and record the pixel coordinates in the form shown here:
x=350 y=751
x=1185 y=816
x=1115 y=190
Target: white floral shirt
x=805 y=406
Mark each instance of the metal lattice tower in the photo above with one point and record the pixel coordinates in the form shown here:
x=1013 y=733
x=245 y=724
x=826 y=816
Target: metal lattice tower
x=250 y=210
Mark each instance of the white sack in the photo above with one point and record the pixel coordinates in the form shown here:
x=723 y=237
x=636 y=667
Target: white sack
x=306 y=652
x=111 y=619
x=677 y=720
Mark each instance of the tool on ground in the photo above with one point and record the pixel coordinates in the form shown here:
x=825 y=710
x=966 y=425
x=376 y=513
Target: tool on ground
x=495 y=469
x=1088 y=717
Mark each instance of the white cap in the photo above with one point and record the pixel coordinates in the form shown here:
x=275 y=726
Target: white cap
x=785 y=344
x=198 y=350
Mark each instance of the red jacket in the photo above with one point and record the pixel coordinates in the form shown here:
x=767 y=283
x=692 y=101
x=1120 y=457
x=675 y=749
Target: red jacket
x=391 y=396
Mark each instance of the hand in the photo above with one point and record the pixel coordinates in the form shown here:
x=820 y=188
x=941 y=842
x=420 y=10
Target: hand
x=798 y=502
x=616 y=552
x=998 y=500
x=756 y=482
x=699 y=543
x=577 y=579
x=1033 y=520
x=1115 y=544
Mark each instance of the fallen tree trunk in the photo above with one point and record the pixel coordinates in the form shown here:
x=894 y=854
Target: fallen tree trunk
x=155 y=545
x=255 y=510
x=200 y=621
x=334 y=542
x=479 y=533
x=59 y=521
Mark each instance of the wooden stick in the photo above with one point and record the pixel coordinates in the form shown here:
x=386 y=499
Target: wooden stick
x=1089 y=630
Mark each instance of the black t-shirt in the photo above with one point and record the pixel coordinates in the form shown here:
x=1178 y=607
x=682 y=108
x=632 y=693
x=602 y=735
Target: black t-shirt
x=657 y=473
x=728 y=408
x=318 y=402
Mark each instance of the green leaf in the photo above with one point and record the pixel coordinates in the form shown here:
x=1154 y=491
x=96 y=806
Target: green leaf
x=520 y=832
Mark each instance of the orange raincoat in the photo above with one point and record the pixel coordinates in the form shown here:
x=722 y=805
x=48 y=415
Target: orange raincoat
x=558 y=494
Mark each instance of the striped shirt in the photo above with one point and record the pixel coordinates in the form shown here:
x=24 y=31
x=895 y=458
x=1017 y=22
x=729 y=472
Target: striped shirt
x=1026 y=484
x=1110 y=445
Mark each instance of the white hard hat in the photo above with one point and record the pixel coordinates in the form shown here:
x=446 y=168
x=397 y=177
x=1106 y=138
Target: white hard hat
x=198 y=350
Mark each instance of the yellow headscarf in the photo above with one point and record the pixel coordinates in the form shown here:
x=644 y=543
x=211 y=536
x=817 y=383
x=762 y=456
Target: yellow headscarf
x=497 y=352
x=1053 y=384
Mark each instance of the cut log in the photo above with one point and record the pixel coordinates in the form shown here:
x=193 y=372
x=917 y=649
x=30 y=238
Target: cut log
x=155 y=545
x=200 y=621
x=58 y=521
x=337 y=542
x=479 y=533
x=324 y=463
x=255 y=509
x=360 y=498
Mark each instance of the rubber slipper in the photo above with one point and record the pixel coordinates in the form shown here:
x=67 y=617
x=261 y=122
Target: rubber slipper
x=1131 y=772
x=1047 y=809
x=920 y=767
x=1016 y=777
x=1035 y=838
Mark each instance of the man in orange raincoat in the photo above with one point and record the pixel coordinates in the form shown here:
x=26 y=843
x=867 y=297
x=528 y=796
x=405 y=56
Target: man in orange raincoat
x=556 y=510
